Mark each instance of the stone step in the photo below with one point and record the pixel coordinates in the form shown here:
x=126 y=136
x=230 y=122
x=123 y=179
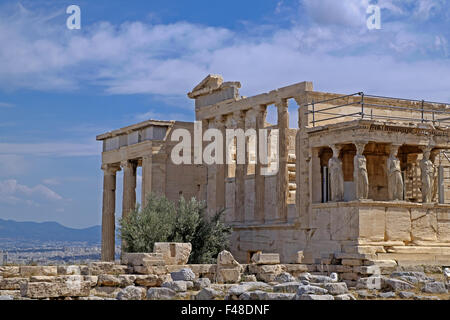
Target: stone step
x=292 y=186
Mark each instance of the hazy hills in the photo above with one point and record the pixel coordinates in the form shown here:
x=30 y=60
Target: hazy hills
x=47 y=231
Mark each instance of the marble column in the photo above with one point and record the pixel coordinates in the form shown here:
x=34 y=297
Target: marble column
x=239 y=209
x=360 y=176
x=212 y=170
x=129 y=186
x=303 y=155
x=220 y=171
x=282 y=177
x=260 y=180
x=146 y=189
x=108 y=212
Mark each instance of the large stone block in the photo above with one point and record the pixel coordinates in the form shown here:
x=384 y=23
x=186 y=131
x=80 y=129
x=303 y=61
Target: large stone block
x=13 y=294
x=443 y=225
x=28 y=271
x=184 y=274
x=173 y=253
x=131 y=293
x=225 y=258
x=228 y=275
x=160 y=294
x=159 y=270
x=106 y=292
x=69 y=270
x=9 y=271
x=142 y=259
x=203 y=269
x=98 y=268
x=39 y=290
x=228 y=269
x=59 y=279
x=398 y=224
x=322 y=224
x=423 y=225
x=266 y=258
x=295 y=269
x=123 y=281
x=12 y=283
x=344 y=223
x=372 y=223
x=152 y=280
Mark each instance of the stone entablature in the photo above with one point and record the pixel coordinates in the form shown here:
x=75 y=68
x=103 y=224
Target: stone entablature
x=134 y=134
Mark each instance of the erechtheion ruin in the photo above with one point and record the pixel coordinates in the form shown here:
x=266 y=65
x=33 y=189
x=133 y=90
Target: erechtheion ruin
x=361 y=175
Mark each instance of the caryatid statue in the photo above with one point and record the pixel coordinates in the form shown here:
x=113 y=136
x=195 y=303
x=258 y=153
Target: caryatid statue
x=427 y=176
x=360 y=176
x=435 y=182
x=336 y=175
x=395 y=179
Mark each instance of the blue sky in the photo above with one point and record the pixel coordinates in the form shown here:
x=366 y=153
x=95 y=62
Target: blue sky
x=136 y=60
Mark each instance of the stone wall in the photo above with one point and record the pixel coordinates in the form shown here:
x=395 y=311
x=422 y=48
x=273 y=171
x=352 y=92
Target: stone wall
x=145 y=276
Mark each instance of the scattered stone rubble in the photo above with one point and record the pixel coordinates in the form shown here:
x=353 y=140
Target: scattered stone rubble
x=143 y=276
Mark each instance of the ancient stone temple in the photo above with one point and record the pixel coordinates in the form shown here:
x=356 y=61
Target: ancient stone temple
x=361 y=175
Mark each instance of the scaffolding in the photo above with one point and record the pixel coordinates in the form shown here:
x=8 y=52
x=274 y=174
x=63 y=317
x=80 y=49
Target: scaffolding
x=438 y=114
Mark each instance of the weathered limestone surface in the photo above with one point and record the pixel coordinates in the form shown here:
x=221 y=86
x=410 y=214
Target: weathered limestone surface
x=38 y=290
x=143 y=259
x=228 y=269
x=266 y=258
x=173 y=253
x=398 y=224
x=27 y=271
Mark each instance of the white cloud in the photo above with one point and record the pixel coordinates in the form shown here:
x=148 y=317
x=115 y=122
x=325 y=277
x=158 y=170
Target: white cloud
x=168 y=60
x=13 y=192
x=425 y=8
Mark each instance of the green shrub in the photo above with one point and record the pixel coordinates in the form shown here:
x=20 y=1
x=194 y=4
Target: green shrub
x=163 y=221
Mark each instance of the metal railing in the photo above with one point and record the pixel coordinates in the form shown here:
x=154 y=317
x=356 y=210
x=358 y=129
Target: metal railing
x=314 y=109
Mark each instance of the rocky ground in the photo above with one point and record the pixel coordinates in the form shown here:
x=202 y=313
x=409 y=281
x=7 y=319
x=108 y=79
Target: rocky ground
x=109 y=281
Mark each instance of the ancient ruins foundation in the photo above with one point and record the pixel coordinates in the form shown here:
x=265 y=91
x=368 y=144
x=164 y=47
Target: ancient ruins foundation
x=362 y=178
x=164 y=275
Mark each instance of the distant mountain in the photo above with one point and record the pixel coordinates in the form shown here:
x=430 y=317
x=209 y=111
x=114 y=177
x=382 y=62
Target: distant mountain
x=47 y=231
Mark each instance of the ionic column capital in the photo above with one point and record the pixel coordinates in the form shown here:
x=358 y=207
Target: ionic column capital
x=260 y=108
x=127 y=164
x=239 y=117
x=219 y=121
x=239 y=114
x=109 y=169
x=282 y=104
